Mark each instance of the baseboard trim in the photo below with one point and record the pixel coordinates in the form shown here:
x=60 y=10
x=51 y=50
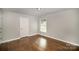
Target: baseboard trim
x=5 y=41
x=60 y=40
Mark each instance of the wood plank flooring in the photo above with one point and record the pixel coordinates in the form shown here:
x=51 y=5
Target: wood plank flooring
x=37 y=43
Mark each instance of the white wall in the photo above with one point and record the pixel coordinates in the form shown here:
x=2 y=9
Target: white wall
x=0 y=19
x=33 y=25
x=77 y=25
x=62 y=25
x=11 y=25
x=1 y=32
x=24 y=26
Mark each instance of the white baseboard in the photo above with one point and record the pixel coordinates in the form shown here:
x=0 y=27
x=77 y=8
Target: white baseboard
x=9 y=40
x=61 y=40
x=39 y=34
x=15 y=38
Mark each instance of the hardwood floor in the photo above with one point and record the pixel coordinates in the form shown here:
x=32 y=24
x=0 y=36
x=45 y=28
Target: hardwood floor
x=37 y=43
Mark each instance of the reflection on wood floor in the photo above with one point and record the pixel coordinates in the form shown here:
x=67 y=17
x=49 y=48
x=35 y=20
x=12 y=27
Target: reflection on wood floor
x=37 y=43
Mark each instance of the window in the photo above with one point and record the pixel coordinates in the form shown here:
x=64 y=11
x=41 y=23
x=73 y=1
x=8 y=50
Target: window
x=43 y=25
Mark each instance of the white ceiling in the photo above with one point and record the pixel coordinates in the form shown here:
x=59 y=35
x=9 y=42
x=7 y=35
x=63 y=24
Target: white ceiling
x=33 y=11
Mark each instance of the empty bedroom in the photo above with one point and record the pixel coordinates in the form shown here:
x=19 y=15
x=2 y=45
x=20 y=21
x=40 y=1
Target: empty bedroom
x=39 y=29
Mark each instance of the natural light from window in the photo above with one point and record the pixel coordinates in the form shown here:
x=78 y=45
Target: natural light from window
x=43 y=25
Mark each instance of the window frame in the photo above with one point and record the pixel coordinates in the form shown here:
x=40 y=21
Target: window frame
x=44 y=25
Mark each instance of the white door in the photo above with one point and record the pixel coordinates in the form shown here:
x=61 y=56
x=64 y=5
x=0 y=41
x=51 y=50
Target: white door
x=24 y=26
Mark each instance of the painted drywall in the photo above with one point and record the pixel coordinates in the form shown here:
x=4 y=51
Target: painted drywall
x=77 y=25
x=0 y=19
x=33 y=25
x=24 y=26
x=11 y=25
x=62 y=25
x=1 y=32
